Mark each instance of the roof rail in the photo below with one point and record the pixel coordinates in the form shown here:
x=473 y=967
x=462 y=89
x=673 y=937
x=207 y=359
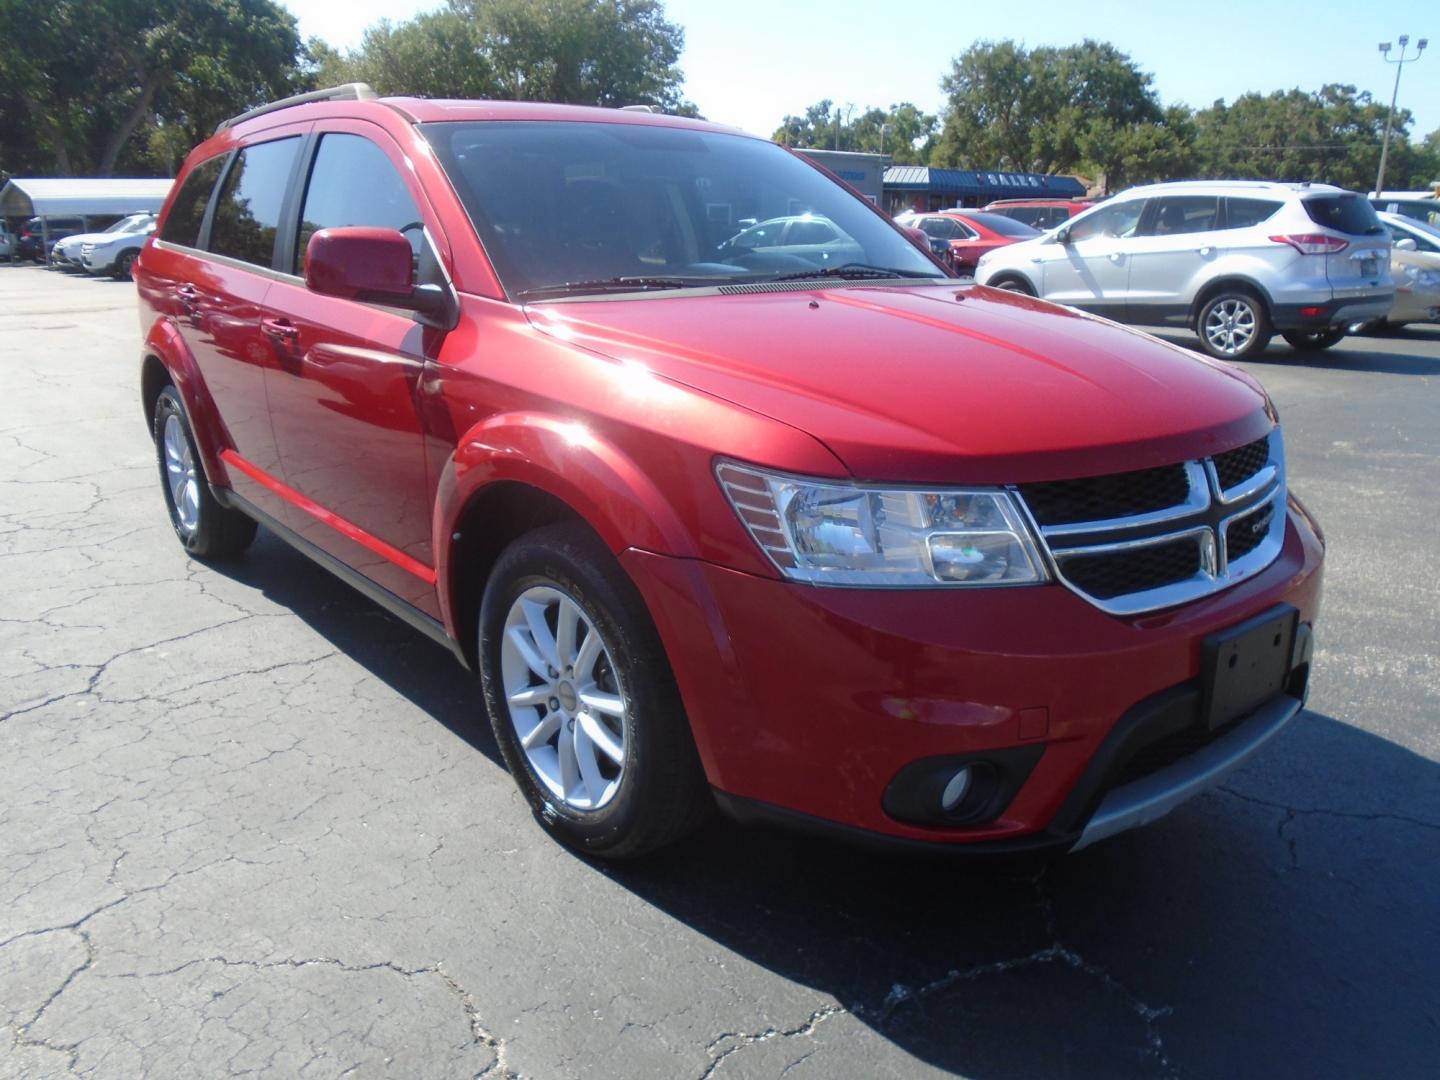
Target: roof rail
x=641 y=108
x=355 y=91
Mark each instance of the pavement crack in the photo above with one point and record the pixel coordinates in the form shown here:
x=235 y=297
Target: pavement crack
x=739 y=1040
x=1320 y=811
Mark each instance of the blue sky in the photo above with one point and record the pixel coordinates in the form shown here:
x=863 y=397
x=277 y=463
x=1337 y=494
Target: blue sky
x=749 y=62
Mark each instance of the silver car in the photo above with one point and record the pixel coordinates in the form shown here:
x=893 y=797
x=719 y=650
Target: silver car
x=1236 y=261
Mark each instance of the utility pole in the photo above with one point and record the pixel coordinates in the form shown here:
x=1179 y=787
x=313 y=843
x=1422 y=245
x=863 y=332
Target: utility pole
x=1399 y=63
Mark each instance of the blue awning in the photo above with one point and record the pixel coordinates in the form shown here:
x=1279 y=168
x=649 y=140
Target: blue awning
x=990 y=185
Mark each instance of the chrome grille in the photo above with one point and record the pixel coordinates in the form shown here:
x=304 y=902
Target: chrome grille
x=1144 y=540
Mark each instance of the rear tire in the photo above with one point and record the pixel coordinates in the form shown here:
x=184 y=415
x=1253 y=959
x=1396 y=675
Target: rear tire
x=582 y=700
x=1313 y=341
x=1233 y=325
x=206 y=529
x=1015 y=285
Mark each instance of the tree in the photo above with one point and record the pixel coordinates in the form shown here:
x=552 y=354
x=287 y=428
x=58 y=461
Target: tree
x=584 y=52
x=902 y=131
x=1332 y=136
x=89 y=75
x=1038 y=110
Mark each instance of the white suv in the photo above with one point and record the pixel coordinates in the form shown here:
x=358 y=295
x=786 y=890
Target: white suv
x=1235 y=261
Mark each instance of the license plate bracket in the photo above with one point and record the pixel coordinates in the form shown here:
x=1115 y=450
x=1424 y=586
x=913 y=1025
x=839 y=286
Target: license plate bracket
x=1369 y=267
x=1246 y=665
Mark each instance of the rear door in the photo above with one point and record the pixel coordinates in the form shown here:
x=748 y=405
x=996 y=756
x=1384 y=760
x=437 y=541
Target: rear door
x=213 y=280
x=344 y=398
x=1177 y=242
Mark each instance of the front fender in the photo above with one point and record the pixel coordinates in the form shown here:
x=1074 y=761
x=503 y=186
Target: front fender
x=566 y=460
x=165 y=343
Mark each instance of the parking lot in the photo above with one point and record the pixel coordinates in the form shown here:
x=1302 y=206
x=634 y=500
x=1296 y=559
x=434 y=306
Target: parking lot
x=252 y=824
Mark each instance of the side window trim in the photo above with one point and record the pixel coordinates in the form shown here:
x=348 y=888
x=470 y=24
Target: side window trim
x=289 y=228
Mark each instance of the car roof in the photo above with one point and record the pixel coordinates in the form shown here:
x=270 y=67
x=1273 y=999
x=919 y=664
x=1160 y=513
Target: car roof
x=429 y=110
x=1232 y=187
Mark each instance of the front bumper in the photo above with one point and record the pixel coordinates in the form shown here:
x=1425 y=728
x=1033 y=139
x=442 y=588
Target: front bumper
x=807 y=702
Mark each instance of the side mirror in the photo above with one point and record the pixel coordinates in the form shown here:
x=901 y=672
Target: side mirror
x=376 y=266
x=1062 y=235
x=1406 y=245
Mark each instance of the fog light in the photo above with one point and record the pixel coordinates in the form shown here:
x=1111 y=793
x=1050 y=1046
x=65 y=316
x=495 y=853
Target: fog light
x=955 y=790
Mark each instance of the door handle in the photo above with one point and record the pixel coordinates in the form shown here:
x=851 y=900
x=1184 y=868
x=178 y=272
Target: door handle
x=1207 y=250
x=282 y=330
x=1116 y=256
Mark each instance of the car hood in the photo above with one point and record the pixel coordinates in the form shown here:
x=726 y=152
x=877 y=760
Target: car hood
x=942 y=384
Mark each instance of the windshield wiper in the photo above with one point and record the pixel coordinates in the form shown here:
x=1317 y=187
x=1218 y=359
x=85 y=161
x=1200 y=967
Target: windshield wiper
x=853 y=271
x=614 y=284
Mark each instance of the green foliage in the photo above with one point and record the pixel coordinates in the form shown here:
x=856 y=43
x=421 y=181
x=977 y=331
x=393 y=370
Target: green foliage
x=1332 y=136
x=83 y=78
x=585 y=52
x=902 y=131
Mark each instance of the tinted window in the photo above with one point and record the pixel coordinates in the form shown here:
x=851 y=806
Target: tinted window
x=334 y=199
x=247 y=213
x=1176 y=214
x=567 y=202
x=182 y=225
x=1344 y=213
x=938 y=227
x=810 y=232
x=1004 y=226
x=1116 y=219
x=1242 y=213
x=1421 y=243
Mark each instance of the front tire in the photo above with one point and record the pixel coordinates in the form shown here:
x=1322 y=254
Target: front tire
x=123 y=265
x=1233 y=325
x=582 y=701
x=1015 y=285
x=206 y=529
x=1313 y=341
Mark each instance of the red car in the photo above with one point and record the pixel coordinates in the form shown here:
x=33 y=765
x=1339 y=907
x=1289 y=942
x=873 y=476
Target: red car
x=960 y=237
x=1042 y=214
x=818 y=537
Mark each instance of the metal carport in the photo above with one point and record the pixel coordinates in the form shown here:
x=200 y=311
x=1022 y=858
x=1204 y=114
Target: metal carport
x=27 y=197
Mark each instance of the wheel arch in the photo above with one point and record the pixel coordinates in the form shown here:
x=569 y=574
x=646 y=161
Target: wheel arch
x=167 y=361
x=516 y=472
x=1230 y=281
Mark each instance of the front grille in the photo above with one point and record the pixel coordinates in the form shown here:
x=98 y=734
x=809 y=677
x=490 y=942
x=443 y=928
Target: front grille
x=1234 y=467
x=1131 y=571
x=1244 y=534
x=1153 y=538
x=1099 y=498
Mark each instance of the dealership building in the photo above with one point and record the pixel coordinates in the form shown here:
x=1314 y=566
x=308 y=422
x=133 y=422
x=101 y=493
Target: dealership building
x=919 y=187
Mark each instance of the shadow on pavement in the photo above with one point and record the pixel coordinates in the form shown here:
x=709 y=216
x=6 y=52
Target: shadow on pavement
x=1283 y=926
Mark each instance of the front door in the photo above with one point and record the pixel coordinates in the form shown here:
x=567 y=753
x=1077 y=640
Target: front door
x=1091 y=269
x=1178 y=241
x=344 y=398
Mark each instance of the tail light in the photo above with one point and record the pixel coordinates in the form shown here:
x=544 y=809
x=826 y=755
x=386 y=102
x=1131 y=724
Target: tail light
x=1313 y=243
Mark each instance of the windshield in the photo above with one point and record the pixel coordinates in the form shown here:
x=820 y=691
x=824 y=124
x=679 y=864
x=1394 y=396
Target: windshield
x=565 y=208
x=133 y=223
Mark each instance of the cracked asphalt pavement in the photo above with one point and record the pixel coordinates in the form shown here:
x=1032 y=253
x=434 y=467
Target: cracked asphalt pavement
x=251 y=824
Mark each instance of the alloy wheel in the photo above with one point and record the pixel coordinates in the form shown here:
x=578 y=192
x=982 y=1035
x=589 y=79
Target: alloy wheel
x=1230 y=326
x=182 y=475
x=564 y=698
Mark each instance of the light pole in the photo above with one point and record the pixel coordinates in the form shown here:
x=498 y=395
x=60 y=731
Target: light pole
x=1399 y=63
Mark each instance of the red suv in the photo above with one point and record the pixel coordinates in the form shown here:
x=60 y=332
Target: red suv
x=809 y=531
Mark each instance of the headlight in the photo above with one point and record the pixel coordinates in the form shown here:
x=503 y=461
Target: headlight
x=832 y=533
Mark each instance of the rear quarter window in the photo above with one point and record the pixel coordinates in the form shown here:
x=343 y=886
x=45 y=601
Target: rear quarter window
x=1243 y=213
x=1350 y=214
x=182 y=224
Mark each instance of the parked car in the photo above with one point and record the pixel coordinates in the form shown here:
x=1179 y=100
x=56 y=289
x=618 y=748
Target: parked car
x=7 y=241
x=1235 y=261
x=65 y=253
x=962 y=236
x=849 y=546
x=1415 y=266
x=797 y=241
x=114 y=251
x=31 y=242
x=1040 y=214
x=1425 y=210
